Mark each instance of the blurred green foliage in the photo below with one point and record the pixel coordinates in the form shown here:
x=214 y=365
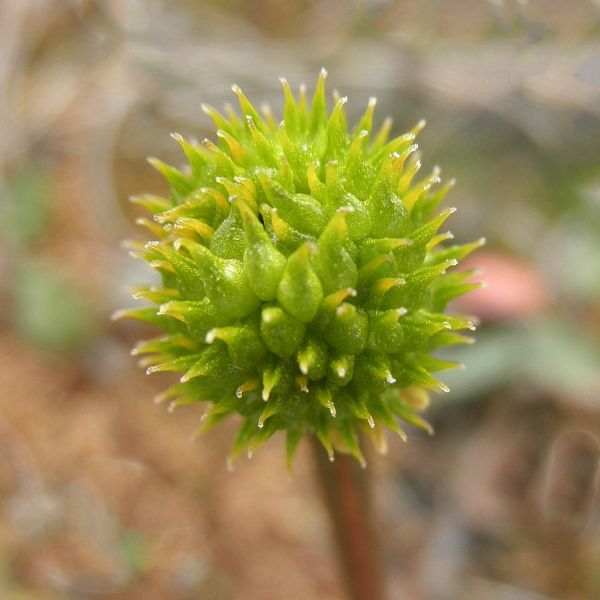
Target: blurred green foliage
x=133 y=550
x=47 y=310
x=24 y=206
x=552 y=353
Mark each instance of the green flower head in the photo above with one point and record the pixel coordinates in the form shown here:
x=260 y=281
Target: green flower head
x=303 y=276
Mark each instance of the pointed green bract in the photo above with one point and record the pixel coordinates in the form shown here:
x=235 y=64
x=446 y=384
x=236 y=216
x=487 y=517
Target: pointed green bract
x=263 y=263
x=244 y=343
x=333 y=262
x=281 y=331
x=304 y=276
x=225 y=282
x=348 y=329
x=313 y=358
x=300 y=290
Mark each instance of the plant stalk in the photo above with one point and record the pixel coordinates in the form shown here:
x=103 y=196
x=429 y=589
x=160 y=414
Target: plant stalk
x=345 y=487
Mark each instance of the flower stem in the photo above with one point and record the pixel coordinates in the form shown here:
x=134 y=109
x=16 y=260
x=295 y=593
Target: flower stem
x=345 y=488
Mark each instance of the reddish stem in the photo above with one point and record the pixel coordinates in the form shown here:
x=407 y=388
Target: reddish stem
x=346 y=492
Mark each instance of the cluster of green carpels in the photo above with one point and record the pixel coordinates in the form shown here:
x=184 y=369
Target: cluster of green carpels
x=303 y=276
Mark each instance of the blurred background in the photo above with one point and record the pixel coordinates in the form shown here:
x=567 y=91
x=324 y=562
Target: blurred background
x=104 y=495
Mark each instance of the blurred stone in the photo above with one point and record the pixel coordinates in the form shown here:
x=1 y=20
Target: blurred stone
x=513 y=288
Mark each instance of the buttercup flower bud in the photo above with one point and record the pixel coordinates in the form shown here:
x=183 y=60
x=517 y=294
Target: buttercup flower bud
x=304 y=280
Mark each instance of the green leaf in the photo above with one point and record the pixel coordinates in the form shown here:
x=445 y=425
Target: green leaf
x=24 y=206
x=48 y=310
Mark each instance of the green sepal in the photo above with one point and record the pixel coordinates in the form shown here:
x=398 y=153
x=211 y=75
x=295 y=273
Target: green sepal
x=263 y=263
x=224 y=164
x=325 y=398
x=357 y=406
x=285 y=176
x=153 y=204
x=154 y=293
x=418 y=329
x=290 y=109
x=347 y=440
x=328 y=307
x=298 y=157
x=388 y=215
x=211 y=419
x=281 y=332
x=199 y=316
x=389 y=218
x=200 y=162
x=264 y=148
x=341 y=369
x=372 y=372
x=318 y=108
x=357 y=217
x=174 y=345
x=430 y=202
x=181 y=185
x=381 y=136
x=381 y=267
x=447 y=338
x=197 y=206
x=224 y=279
x=274 y=375
x=411 y=168
x=366 y=121
x=408 y=372
x=244 y=343
x=149 y=315
x=242 y=188
x=374 y=248
x=315 y=186
x=398 y=148
x=426 y=275
x=233 y=127
x=228 y=240
x=194 y=229
x=433 y=364
x=263 y=435
x=385 y=332
x=301 y=211
x=323 y=427
x=247 y=108
x=408 y=415
x=456 y=252
x=313 y=358
x=302 y=108
x=154 y=228
x=191 y=283
x=452 y=322
x=332 y=262
x=450 y=286
x=384 y=415
x=292 y=441
x=388 y=292
x=300 y=291
x=211 y=362
x=348 y=329
x=177 y=365
x=359 y=173
x=337 y=132
x=271 y=408
x=286 y=237
x=423 y=234
x=246 y=432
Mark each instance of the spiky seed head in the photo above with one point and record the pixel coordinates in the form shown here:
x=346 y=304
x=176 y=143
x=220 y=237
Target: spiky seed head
x=303 y=276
